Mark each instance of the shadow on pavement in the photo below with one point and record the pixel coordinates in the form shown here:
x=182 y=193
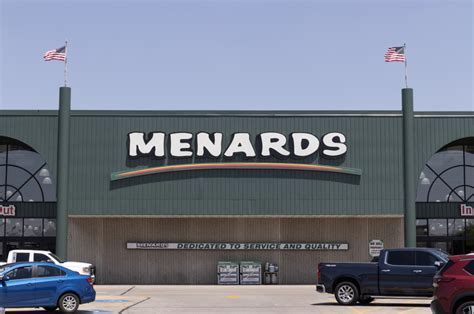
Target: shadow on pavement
x=376 y=304
x=40 y=311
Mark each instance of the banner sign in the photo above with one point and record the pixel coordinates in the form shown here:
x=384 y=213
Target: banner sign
x=7 y=211
x=237 y=246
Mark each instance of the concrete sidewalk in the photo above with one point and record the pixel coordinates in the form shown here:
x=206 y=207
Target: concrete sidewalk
x=234 y=299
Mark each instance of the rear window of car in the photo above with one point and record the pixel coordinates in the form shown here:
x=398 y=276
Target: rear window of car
x=402 y=258
x=446 y=267
x=49 y=271
x=470 y=267
x=22 y=257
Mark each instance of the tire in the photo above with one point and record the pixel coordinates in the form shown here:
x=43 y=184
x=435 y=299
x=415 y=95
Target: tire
x=50 y=308
x=68 y=303
x=346 y=293
x=365 y=300
x=466 y=307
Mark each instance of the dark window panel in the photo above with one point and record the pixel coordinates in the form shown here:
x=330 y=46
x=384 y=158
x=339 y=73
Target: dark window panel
x=401 y=258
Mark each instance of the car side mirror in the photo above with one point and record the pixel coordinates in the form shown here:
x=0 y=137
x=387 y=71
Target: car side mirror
x=4 y=278
x=438 y=264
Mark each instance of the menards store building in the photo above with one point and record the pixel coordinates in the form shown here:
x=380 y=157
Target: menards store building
x=159 y=197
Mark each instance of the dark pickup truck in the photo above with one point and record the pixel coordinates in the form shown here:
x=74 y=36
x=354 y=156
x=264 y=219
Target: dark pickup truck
x=397 y=273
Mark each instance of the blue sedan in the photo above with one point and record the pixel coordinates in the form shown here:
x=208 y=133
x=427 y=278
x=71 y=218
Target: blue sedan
x=44 y=285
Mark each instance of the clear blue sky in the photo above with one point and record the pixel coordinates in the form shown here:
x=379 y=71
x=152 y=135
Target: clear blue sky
x=247 y=54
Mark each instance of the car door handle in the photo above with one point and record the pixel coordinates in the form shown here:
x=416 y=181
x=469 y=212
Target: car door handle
x=417 y=271
x=60 y=281
x=385 y=270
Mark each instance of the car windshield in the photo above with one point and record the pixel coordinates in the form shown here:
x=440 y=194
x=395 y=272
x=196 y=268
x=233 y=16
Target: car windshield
x=57 y=258
x=5 y=267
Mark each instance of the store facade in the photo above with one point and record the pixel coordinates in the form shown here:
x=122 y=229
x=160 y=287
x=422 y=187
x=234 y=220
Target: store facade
x=160 y=197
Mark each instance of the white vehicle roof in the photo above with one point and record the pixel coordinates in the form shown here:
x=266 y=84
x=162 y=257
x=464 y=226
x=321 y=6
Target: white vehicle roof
x=30 y=251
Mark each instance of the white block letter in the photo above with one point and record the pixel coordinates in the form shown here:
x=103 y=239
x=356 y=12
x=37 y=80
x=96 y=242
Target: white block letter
x=273 y=141
x=137 y=145
x=329 y=141
x=240 y=144
x=204 y=142
x=178 y=147
x=311 y=148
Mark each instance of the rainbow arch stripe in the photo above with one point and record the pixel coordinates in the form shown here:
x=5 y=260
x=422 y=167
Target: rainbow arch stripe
x=233 y=165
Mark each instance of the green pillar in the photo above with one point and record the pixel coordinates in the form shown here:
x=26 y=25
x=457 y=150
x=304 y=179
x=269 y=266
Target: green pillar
x=408 y=168
x=62 y=171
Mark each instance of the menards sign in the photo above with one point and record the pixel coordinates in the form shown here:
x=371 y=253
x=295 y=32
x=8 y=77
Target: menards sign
x=211 y=146
x=319 y=246
x=7 y=211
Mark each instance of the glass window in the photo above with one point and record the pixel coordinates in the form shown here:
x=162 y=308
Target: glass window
x=449 y=176
x=440 y=245
x=422 y=227
x=470 y=228
x=49 y=227
x=456 y=227
x=438 y=227
x=425 y=259
x=48 y=271
x=20 y=273
x=33 y=227
x=24 y=172
x=421 y=244
x=401 y=258
x=40 y=257
x=14 y=227
x=22 y=257
x=470 y=267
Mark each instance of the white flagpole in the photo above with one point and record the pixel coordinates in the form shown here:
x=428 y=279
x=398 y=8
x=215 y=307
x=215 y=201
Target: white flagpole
x=406 y=75
x=65 y=64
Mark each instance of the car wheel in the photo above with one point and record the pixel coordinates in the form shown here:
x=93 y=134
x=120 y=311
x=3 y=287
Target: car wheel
x=365 y=300
x=346 y=293
x=68 y=303
x=466 y=307
x=50 y=308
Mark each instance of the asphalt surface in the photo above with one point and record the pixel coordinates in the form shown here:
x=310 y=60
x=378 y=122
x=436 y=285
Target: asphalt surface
x=232 y=299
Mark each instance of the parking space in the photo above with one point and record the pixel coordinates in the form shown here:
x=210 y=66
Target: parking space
x=234 y=299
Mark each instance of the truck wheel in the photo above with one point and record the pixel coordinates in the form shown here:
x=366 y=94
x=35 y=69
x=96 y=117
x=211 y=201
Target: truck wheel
x=466 y=307
x=365 y=300
x=68 y=303
x=346 y=293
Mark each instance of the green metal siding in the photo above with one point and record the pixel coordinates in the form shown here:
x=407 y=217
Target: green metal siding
x=373 y=146
x=98 y=147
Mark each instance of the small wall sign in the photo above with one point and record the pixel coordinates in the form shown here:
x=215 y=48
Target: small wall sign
x=375 y=246
x=237 y=246
x=7 y=211
x=467 y=210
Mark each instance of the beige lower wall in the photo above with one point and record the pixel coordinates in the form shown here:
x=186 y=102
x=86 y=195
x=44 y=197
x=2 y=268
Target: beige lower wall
x=102 y=241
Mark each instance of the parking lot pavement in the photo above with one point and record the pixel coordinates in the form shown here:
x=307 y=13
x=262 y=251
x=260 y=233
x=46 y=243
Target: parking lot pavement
x=235 y=299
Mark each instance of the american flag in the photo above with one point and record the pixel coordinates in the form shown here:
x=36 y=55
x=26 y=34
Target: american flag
x=56 y=54
x=395 y=54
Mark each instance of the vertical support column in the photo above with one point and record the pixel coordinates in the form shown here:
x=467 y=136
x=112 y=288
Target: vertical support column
x=408 y=168
x=62 y=171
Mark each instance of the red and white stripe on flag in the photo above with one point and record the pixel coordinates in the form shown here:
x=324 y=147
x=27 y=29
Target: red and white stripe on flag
x=56 y=54
x=395 y=54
